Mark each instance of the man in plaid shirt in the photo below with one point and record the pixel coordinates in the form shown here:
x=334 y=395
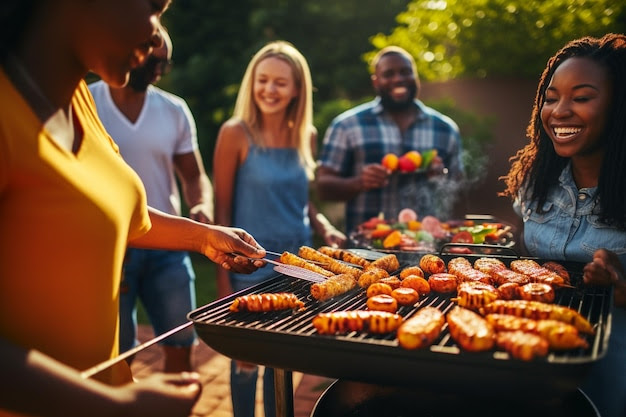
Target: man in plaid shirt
x=349 y=168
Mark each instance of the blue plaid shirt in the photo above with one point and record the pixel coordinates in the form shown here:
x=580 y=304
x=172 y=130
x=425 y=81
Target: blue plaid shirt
x=364 y=134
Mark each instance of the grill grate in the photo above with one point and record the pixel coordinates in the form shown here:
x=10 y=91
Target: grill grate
x=288 y=339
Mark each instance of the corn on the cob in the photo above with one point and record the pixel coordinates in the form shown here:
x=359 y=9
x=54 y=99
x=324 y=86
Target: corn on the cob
x=560 y=336
x=432 y=264
x=267 y=302
x=332 y=287
x=539 y=311
x=522 y=345
x=471 y=331
x=421 y=329
x=329 y=263
x=344 y=255
x=356 y=321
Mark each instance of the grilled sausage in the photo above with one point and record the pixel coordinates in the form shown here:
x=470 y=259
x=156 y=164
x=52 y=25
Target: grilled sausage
x=291 y=259
x=442 y=282
x=539 y=311
x=356 y=321
x=508 y=291
x=464 y=271
x=332 y=287
x=536 y=291
x=344 y=255
x=405 y=296
x=267 y=302
x=329 y=263
x=559 y=269
x=421 y=329
x=382 y=302
x=389 y=263
x=498 y=272
x=471 y=331
x=522 y=345
x=432 y=264
x=371 y=275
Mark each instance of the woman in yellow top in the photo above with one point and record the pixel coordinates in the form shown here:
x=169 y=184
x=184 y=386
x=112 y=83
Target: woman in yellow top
x=69 y=206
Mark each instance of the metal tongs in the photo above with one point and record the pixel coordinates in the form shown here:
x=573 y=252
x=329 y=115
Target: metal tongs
x=291 y=270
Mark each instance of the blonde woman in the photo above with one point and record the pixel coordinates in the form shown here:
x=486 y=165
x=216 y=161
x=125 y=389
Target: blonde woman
x=263 y=164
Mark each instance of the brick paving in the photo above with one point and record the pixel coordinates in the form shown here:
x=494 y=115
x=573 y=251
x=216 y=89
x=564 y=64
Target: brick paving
x=214 y=370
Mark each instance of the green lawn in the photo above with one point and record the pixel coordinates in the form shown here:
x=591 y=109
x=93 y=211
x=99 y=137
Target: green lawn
x=206 y=287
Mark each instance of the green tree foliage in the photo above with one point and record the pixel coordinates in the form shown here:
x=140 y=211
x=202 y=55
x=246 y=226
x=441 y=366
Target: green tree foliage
x=214 y=41
x=496 y=37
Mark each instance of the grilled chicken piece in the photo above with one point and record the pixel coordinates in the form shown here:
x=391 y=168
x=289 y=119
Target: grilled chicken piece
x=559 y=269
x=537 y=273
x=371 y=275
x=389 y=263
x=464 y=271
x=289 y=258
x=499 y=272
x=522 y=345
x=432 y=264
x=474 y=295
x=356 y=321
x=560 y=336
x=539 y=311
x=344 y=255
x=421 y=329
x=267 y=302
x=471 y=331
x=332 y=287
x=536 y=291
x=329 y=263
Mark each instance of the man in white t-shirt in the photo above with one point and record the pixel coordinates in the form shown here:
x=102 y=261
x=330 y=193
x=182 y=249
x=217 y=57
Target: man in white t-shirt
x=156 y=134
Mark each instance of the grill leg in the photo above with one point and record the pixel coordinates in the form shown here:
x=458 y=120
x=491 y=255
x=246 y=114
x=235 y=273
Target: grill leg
x=283 y=383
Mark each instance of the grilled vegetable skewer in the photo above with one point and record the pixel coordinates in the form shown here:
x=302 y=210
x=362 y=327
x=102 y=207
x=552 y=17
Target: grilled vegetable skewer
x=267 y=302
x=560 y=336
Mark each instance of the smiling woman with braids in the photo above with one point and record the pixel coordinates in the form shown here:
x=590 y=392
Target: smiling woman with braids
x=569 y=184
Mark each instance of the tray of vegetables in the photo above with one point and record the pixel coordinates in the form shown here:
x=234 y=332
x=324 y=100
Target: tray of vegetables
x=408 y=233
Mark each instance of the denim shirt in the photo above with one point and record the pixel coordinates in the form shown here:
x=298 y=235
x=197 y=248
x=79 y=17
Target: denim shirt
x=568 y=227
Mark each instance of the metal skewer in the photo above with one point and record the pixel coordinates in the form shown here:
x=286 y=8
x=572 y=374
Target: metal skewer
x=94 y=370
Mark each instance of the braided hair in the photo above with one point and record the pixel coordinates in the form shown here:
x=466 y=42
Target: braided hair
x=537 y=167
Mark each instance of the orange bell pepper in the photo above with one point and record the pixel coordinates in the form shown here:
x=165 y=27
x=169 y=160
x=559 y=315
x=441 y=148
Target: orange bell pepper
x=393 y=240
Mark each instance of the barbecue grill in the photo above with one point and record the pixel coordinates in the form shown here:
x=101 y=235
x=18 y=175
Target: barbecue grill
x=287 y=340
